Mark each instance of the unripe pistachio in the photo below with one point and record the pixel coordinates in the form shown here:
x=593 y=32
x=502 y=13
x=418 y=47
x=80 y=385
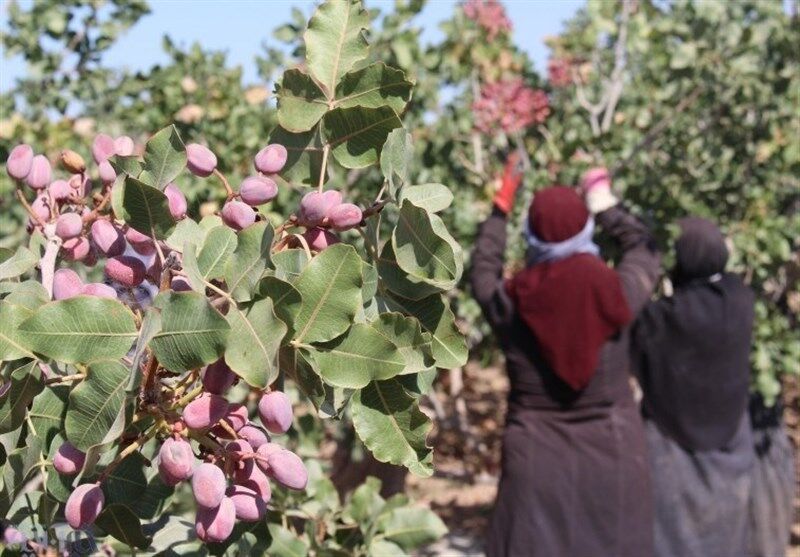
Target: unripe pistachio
x=177 y=201
x=40 y=173
x=68 y=460
x=80 y=184
x=66 y=284
x=200 y=160
x=253 y=435
x=315 y=206
x=84 y=505
x=287 y=469
x=12 y=536
x=271 y=159
x=175 y=460
x=256 y=480
x=135 y=237
x=208 y=485
x=59 y=190
x=76 y=249
x=257 y=190
x=103 y=148
x=263 y=453
x=275 y=410
x=124 y=146
x=72 y=161
x=107 y=172
x=216 y=525
x=100 y=290
x=236 y=418
x=69 y=225
x=345 y=216
x=41 y=207
x=218 y=377
x=107 y=238
x=19 y=161
x=126 y=270
x=318 y=238
x=205 y=411
x=237 y=215
x=248 y=504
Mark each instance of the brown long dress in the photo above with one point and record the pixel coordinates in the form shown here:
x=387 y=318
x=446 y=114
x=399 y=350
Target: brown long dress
x=575 y=480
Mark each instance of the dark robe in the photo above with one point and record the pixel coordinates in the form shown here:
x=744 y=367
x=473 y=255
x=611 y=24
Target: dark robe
x=575 y=478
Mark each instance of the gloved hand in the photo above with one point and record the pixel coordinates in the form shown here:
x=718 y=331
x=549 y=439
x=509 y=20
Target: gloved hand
x=596 y=188
x=512 y=178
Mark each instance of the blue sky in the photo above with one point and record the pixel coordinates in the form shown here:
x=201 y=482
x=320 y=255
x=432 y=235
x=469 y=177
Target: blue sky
x=239 y=27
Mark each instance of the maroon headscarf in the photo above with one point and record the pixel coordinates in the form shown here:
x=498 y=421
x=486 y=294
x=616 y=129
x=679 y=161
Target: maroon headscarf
x=573 y=305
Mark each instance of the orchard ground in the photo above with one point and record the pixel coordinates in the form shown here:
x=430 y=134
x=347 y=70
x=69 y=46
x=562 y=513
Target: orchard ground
x=467 y=464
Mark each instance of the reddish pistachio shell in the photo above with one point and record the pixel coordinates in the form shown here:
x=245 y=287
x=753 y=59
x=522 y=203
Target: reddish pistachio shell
x=216 y=525
x=100 y=290
x=200 y=160
x=180 y=284
x=66 y=284
x=275 y=411
x=84 y=505
x=208 y=485
x=175 y=460
x=59 y=190
x=177 y=201
x=107 y=172
x=126 y=270
x=315 y=206
x=253 y=435
x=12 y=536
x=218 y=377
x=287 y=469
x=238 y=215
x=107 y=238
x=345 y=216
x=80 y=185
x=257 y=190
x=256 y=480
x=249 y=505
x=68 y=460
x=205 y=411
x=235 y=418
x=263 y=453
x=271 y=159
x=69 y=225
x=318 y=238
x=40 y=173
x=124 y=146
x=76 y=249
x=19 y=161
x=146 y=250
x=103 y=147
x=135 y=237
x=41 y=207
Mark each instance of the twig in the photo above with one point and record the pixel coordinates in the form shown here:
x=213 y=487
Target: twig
x=620 y=58
x=47 y=264
x=65 y=378
x=323 y=171
x=229 y=193
x=125 y=453
x=28 y=208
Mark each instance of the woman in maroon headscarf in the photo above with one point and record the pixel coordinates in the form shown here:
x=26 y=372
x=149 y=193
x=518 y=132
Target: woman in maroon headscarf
x=574 y=471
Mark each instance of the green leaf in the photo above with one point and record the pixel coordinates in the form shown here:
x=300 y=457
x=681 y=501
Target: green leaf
x=253 y=343
x=398 y=281
x=411 y=527
x=286 y=300
x=48 y=411
x=374 y=86
x=151 y=324
x=146 y=209
x=80 y=329
x=328 y=400
x=386 y=549
x=370 y=282
x=213 y=258
x=26 y=382
x=431 y=197
x=119 y=522
x=192 y=268
x=406 y=334
x=356 y=135
x=391 y=425
x=17 y=469
x=304 y=154
x=418 y=383
x=424 y=249
x=29 y=294
x=396 y=160
x=365 y=502
x=21 y=262
x=284 y=543
x=164 y=158
x=136 y=484
x=448 y=346
x=331 y=289
x=186 y=231
x=95 y=411
x=248 y=263
x=12 y=341
x=126 y=165
x=335 y=41
x=301 y=103
x=289 y=263
x=192 y=333
x=362 y=355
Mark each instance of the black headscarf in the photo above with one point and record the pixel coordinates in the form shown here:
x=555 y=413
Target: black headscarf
x=692 y=350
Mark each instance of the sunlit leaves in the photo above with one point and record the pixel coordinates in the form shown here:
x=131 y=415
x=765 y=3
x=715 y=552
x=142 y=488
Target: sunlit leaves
x=252 y=346
x=145 y=208
x=164 y=158
x=94 y=413
x=357 y=134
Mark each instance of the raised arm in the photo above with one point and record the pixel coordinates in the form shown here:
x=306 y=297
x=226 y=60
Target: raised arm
x=640 y=266
x=487 y=270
